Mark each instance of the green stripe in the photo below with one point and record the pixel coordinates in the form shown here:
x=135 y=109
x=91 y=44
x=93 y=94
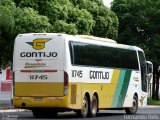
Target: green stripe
x=124 y=88
x=118 y=88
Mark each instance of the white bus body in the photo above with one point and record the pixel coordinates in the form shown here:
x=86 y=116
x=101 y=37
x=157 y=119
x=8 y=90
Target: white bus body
x=58 y=72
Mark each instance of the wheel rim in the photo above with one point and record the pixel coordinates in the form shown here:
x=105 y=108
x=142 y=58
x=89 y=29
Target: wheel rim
x=85 y=106
x=134 y=105
x=94 y=106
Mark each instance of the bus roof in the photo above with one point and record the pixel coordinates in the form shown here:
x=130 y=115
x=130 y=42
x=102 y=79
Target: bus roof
x=96 y=38
x=89 y=38
x=129 y=47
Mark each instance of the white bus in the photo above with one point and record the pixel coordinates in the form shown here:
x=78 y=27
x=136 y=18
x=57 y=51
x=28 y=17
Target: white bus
x=59 y=72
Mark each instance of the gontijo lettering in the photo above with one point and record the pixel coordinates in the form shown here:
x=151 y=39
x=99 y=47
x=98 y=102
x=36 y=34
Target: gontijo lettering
x=99 y=75
x=38 y=54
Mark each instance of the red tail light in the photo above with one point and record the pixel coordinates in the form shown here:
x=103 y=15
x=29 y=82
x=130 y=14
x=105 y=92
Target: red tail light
x=65 y=79
x=8 y=74
x=65 y=83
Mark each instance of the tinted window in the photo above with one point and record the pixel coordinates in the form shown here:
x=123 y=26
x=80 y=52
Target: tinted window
x=102 y=56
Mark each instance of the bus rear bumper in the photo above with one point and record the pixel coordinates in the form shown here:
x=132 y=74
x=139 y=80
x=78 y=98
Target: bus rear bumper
x=39 y=102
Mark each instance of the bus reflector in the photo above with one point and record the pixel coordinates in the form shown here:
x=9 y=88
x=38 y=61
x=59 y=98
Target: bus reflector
x=28 y=71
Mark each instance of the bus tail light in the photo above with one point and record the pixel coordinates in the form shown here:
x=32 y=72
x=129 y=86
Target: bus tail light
x=65 y=83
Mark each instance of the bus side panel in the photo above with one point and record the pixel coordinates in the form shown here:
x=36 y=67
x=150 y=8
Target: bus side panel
x=133 y=88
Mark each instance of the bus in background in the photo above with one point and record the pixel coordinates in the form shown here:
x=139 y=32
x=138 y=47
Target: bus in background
x=58 y=72
x=149 y=78
x=6 y=89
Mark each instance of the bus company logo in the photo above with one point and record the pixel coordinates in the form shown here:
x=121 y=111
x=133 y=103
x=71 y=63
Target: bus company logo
x=39 y=43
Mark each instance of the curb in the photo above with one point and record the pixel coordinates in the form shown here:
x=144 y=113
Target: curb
x=153 y=106
x=150 y=106
x=14 y=110
x=6 y=110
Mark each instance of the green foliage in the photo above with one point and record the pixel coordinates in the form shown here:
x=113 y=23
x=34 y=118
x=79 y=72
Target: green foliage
x=139 y=25
x=150 y=101
x=105 y=21
x=84 y=22
x=106 y=24
x=6 y=16
x=61 y=25
x=56 y=10
x=28 y=3
x=6 y=19
x=89 y=17
x=7 y=8
x=28 y=20
x=63 y=12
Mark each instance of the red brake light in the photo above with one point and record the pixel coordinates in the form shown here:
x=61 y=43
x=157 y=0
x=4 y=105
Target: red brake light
x=65 y=79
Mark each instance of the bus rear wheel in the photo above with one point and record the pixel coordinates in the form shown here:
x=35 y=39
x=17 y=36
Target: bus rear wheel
x=134 y=107
x=94 y=106
x=85 y=108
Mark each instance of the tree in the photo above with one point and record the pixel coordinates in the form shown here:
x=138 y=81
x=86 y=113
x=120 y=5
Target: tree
x=139 y=25
x=7 y=8
x=62 y=14
x=13 y=21
x=106 y=22
x=89 y=17
x=28 y=20
x=60 y=26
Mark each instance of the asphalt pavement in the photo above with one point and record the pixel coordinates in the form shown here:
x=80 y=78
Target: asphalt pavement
x=147 y=113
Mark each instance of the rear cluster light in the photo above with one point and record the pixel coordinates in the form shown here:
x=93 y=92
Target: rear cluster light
x=65 y=83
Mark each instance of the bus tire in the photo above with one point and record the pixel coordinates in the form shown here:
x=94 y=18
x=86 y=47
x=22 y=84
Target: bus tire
x=84 y=109
x=134 y=108
x=50 y=114
x=94 y=106
x=37 y=113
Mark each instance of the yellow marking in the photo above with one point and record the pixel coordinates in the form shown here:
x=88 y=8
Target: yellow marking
x=111 y=88
x=39 y=89
x=46 y=102
x=73 y=93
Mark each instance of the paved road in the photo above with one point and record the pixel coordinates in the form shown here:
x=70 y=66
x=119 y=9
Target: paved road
x=143 y=114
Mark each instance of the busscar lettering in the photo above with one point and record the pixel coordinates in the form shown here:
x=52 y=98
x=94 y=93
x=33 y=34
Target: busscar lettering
x=38 y=54
x=99 y=75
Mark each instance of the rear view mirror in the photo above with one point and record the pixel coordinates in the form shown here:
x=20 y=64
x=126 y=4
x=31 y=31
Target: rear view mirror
x=149 y=67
